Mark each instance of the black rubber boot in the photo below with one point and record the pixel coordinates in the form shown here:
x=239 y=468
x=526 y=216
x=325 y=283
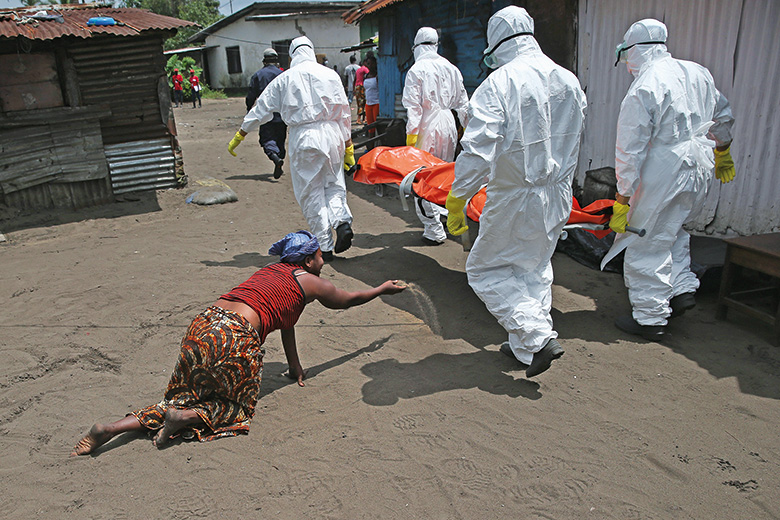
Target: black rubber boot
x=681 y=303
x=343 y=238
x=507 y=351
x=551 y=351
x=628 y=324
x=278 y=163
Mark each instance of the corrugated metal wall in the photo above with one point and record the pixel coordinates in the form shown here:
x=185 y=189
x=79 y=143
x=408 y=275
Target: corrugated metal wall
x=123 y=73
x=53 y=159
x=738 y=42
x=141 y=165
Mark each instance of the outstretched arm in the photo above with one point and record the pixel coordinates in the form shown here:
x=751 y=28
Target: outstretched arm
x=291 y=351
x=334 y=298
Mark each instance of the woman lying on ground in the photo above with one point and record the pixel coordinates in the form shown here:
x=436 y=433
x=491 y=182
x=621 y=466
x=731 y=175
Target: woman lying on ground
x=216 y=381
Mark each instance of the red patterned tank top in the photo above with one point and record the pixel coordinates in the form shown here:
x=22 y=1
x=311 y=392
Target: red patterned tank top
x=274 y=294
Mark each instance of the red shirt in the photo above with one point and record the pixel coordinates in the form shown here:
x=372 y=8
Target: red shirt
x=274 y=294
x=360 y=75
x=177 y=82
x=194 y=80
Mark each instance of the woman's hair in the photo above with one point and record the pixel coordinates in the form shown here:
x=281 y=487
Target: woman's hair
x=371 y=65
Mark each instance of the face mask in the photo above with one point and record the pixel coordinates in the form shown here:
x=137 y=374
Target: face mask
x=490 y=60
x=622 y=47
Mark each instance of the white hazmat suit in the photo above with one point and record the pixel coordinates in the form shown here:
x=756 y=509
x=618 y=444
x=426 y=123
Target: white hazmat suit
x=670 y=119
x=523 y=137
x=432 y=89
x=311 y=100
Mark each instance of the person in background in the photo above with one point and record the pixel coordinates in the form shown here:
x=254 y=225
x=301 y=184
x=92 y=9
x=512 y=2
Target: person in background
x=671 y=119
x=360 y=93
x=215 y=384
x=371 y=85
x=195 y=88
x=178 y=88
x=432 y=90
x=350 y=77
x=523 y=134
x=311 y=100
x=273 y=133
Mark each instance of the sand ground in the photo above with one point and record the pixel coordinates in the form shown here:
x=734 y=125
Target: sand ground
x=409 y=411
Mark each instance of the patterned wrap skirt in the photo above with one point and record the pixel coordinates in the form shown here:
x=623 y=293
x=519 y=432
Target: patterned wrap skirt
x=360 y=99
x=217 y=375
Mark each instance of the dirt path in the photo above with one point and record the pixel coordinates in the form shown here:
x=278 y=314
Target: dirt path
x=410 y=411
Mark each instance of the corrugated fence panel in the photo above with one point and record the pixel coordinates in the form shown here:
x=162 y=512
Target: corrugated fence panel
x=738 y=42
x=141 y=165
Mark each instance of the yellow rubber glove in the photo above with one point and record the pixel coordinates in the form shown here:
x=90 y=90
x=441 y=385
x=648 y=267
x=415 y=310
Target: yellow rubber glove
x=724 y=166
x=235 y=142
x=619 y=218
x=411 y=140
x=349 y=157
x=456 y=219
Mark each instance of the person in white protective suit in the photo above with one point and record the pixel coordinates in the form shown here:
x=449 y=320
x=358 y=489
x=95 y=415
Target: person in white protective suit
x=433 y=88
x=523 y=137
x=670 y=120
x=311 y=101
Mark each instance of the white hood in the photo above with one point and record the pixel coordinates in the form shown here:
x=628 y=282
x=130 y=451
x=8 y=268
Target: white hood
x=503 y=24
x=426 y=42
x=301 y=49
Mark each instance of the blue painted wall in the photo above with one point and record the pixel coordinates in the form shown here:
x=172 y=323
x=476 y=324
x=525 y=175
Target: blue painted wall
x=462 y=25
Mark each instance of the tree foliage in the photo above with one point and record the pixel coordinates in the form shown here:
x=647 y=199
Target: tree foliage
x=202 y=12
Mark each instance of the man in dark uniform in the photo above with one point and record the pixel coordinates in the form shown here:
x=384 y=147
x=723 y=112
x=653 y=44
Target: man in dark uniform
x=273 y=133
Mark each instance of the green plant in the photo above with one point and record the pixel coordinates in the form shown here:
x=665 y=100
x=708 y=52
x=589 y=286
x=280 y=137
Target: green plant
x=184 y=65
x=208 y=93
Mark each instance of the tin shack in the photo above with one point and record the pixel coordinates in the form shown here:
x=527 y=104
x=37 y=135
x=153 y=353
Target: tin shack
x=85 y=110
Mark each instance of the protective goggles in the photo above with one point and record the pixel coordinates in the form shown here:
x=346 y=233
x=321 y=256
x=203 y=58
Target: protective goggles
x=489 y=58
x=299 y=46
x=621 y=48
x=424 y=43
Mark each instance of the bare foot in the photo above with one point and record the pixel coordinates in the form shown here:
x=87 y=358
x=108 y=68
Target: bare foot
x=175 y=420
x=98 y=435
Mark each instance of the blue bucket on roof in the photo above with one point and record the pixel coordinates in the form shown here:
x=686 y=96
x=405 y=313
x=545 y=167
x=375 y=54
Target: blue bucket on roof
x=101 y=20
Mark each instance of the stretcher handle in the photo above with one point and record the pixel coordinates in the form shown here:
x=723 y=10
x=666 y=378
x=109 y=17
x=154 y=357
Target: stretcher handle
x=597 y=227
x=638 y=231
x=465 y=238
x=405 y=187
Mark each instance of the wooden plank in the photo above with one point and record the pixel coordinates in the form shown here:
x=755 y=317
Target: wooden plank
x=21 y=69
x=761 y=260
x=13 y=119
x=768 y=243
x=750 y=311
x=31 y=96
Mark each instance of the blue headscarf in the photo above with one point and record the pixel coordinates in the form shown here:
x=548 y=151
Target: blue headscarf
x=294 y=247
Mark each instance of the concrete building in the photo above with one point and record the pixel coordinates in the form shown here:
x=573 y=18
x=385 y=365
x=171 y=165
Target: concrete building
x=234 y=45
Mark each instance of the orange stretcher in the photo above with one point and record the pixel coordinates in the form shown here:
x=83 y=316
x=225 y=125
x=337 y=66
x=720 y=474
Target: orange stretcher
x=431 y=178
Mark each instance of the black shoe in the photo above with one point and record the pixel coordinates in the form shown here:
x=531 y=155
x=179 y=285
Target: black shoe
x=507 y=351
x=278 y=163
x=343 y=237
x=429 y=242
x=628 y=324
x=327 y=256
x=681 y=303
x=551 y=351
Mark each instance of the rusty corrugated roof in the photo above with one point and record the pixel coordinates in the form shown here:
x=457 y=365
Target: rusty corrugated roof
x=356 y=13
x=16 y=22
